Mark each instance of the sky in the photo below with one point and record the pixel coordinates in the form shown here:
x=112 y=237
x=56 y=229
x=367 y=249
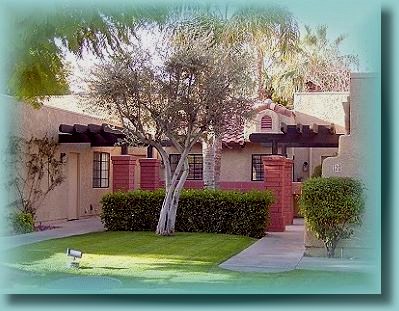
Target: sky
x=358 y=20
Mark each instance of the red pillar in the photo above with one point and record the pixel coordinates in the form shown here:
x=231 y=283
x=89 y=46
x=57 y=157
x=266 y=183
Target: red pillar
x=288 y=206
x=149 y=173
x=123 y=172
x=278 y=179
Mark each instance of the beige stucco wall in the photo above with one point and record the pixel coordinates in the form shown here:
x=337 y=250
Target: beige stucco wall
x=39 y=122
x=236 y=163
x=322 y=108
x=253 y=125
x=355 y=159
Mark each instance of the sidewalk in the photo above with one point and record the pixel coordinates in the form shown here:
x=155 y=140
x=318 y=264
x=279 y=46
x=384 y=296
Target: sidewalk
x=276 y=252
x=283 y=251
x=69 y=228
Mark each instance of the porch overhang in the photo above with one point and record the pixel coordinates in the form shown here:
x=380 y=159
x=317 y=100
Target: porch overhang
x=97 y=135
x=317 y=136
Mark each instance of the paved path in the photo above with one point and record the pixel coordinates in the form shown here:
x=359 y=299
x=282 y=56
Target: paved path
x=283 y=251
x=276 y=252
x=69 y=228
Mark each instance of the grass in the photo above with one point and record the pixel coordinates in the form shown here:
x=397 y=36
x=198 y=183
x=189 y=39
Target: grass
x=145 y=262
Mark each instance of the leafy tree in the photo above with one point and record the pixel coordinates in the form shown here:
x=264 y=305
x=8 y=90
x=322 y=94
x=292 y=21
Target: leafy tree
x=42 y=35
x=268 y=33
x=181 y=93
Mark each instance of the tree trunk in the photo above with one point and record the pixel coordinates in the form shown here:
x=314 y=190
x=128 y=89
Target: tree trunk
x=212 y=156
x=218 y=160
x=167 y=217
x=208 y=155
x=259 y=72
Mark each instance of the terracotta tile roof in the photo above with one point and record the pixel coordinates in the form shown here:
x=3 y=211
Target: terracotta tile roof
x=234 y=133
x=267 y=104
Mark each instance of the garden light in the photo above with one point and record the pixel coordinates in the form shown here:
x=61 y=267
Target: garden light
x=75 y=254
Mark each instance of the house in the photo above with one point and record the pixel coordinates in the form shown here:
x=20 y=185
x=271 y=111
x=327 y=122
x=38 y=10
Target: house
x=89 y=171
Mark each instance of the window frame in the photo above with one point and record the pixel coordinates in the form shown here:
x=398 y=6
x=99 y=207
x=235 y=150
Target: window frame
x=97 y=167
x=252 y=165
x=195 y=156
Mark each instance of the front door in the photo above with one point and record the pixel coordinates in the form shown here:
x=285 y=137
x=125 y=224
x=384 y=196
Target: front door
x=74 y=186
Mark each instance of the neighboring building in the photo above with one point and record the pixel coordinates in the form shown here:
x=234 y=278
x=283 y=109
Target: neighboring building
x=88 y=169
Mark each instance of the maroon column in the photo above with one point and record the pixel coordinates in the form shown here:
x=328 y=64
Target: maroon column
x=274 y=167
x=149 y=173
x=123 y=172
x=288 y=206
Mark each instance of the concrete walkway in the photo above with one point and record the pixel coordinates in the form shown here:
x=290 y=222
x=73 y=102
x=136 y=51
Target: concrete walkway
x=283 y=251
x=69 y=228
x=276 y=252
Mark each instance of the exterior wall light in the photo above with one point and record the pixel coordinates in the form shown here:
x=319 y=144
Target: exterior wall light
x=305 y=166
x=63 y=157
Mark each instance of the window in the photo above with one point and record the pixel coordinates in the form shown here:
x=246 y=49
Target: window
x=266 y=123
x=194 y=162
x=101 y=170
x=257 y=167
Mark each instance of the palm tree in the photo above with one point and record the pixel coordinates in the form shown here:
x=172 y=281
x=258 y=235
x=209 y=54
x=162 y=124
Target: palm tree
x=271 y=33
x=319 y=62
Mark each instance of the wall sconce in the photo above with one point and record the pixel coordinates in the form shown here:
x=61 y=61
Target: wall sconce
x=63 y=157
x=305 y=166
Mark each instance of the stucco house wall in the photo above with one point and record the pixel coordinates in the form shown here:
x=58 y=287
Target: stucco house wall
x=322 y=108
x=59 y=204
x=352 y=159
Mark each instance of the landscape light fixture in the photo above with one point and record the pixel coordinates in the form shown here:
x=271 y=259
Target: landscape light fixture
x=75 y=254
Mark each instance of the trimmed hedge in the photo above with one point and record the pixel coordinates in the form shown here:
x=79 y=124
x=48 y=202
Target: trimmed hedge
x=212 y=211
x=331 y=206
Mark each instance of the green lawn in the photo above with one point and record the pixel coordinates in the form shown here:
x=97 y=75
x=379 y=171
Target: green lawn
x=145 y=262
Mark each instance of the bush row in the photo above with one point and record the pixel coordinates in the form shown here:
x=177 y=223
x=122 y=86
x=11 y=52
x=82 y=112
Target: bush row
x=213 y=211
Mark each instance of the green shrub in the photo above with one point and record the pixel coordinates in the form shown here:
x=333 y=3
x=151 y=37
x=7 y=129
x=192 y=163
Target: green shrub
x=317 y=171
x=22 y=222
x=331 y=206
x=199 y=211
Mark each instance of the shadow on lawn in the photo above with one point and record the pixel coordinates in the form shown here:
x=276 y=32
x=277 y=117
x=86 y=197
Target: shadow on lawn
x=106 y=268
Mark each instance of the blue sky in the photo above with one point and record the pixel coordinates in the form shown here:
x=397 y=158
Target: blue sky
x=358 y=19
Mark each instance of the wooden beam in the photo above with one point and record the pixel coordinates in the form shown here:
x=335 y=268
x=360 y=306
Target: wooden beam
x=274 y=147
x=94 y=128
x=314 y=128
x=283 y=127
x=331 y=129
x=299 y=128
x=79 y=128
x=323 y=139
x=65 y=128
